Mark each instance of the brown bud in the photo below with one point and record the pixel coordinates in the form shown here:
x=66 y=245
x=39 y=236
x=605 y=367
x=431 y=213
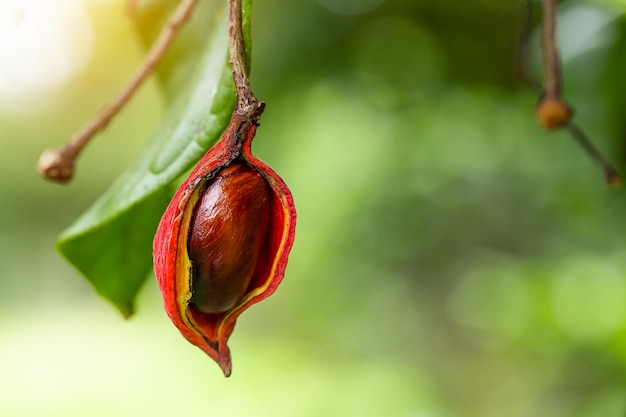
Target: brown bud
x=553 y=113
x=228 y=228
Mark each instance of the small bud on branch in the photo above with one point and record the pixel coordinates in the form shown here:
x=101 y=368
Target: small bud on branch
x=58 y=165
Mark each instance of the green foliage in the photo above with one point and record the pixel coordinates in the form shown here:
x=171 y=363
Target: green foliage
x=451 y=259
x=111 y=242
x=181 y=59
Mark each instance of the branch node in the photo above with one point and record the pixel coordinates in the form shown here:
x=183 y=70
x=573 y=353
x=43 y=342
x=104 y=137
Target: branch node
x=59 y=165
x=614 y=180
x=55 y=166
x=553 y=113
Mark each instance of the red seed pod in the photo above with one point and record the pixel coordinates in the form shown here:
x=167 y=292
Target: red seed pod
x=223 y=242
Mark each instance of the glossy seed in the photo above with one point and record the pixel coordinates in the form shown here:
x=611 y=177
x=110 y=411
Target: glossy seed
x=229 y=226
x=223 y=242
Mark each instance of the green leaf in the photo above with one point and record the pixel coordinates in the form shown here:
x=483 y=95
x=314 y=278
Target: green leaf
x=111 y=243
x=173 y=70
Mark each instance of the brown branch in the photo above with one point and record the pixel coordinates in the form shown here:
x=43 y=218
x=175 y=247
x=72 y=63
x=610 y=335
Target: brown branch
x=552 y=111
x=247 y=104
x=552 y=70
x=611 y=176
x=58 y=165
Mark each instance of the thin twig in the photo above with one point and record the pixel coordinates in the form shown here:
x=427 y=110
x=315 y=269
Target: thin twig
x=611 y=176
x=58 y=165
x=552 y=91
x=552 y=70
x=247 y=104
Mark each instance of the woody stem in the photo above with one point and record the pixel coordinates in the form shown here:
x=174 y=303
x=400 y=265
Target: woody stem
x=248 y=105
x=58 y=165
x=552 y=68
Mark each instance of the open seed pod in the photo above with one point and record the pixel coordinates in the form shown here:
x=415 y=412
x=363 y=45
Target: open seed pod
x=223 y=242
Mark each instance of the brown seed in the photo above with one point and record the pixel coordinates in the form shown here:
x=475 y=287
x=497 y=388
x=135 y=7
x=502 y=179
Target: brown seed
x=227 y=230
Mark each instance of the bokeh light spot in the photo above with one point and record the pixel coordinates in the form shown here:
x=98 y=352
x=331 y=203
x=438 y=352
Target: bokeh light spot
x=588 y=299
x=494 y=299
x=43 y=45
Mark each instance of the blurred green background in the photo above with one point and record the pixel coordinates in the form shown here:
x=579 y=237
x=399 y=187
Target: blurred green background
x=451 y=258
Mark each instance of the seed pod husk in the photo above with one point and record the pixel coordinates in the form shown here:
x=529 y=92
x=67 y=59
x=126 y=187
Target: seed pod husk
x=223 y=241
